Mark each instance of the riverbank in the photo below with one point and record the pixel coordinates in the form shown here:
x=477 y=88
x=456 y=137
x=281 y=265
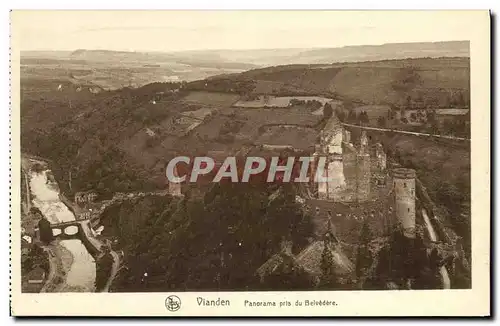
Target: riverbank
x=73 y=263
x=60 y=261
x=72 y=268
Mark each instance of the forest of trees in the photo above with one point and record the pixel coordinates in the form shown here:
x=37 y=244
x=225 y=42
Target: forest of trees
x=216 y=242
x=352 y=117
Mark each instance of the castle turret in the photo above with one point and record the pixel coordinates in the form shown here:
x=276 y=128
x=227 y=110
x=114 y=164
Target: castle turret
x=381 y=157
x=174 y=188
x=404 y=192
x=363 y=143
x=334 y=141
x=346 y=136
x=363 y=175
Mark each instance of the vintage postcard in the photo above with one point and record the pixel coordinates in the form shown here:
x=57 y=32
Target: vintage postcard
x=250 y=163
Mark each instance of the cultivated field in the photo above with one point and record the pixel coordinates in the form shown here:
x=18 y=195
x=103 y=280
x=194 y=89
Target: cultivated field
x=211 y=98
x=279 y=101
x=297 y=137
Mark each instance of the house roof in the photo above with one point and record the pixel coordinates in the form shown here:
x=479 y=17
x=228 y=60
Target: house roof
x=271 y=265
x=310 y=259
x=37 y=273
x=274 y=265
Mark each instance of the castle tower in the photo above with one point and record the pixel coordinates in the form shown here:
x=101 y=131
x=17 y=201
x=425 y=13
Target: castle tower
x=364 y=143
x=322 y=186
x=381 y=157
x=334 y=142
x=404 y=193
x=174 y=188
x=346 y=136
x=363 y=175
x=336 y=173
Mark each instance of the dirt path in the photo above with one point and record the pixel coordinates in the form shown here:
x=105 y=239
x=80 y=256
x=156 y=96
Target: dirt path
x=406 y=132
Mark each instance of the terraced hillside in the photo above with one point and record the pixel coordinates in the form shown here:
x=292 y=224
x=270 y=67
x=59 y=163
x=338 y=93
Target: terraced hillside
x=395 y=82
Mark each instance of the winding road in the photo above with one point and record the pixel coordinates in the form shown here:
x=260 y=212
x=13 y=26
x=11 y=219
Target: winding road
x=406 y=132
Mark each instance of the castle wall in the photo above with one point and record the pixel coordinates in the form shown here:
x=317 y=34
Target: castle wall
x=346 y=136
x=381 y=157
x=312 y=175
x=363 y=176
x=323 y=187
x=349 y=163
x=336 y=174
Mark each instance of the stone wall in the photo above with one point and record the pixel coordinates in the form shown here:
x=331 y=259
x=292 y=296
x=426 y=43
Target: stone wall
x=363 y=177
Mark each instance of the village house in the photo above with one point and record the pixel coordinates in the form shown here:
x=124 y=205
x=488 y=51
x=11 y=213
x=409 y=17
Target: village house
x=85 y=197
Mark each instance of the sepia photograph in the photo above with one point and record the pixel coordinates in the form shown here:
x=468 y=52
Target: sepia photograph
x=202 y=152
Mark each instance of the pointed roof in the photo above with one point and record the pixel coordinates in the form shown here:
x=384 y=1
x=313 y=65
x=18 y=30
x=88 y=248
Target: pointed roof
x=271 y=265
x=310 y=259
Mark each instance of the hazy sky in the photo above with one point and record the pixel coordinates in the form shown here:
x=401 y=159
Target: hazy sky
x=193 y=30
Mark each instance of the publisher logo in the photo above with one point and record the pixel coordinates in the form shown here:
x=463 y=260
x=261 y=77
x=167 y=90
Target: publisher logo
x=173 y=303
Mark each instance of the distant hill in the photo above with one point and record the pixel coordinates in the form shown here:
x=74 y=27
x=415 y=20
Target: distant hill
x=390 y=51
x=383 y=52
x=116 y=69
x=268 y=57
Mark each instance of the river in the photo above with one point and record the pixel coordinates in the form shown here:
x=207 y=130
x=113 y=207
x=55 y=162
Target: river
x=45 y=196
x=432 y=235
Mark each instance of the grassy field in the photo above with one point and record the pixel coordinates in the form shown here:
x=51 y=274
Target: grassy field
x=211 y=98
x=279 y=101
x=299 y=138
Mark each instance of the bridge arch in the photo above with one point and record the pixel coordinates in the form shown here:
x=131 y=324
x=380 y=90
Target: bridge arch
x=71 y=230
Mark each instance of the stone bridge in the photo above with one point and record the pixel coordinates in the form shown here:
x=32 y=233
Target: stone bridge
x=79 y=229
x=67 y=230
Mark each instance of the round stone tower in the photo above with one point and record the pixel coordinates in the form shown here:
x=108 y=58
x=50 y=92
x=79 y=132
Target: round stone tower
x=363 y=175
x=404 y=201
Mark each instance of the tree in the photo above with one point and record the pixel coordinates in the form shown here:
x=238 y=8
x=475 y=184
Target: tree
x=327 y=111
x=363 y=117
x=340 y=114
x=352 y=117
x=381 y=121
x=296 y=102
x=435 y=127
x=214 y=243
x=328 y=277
